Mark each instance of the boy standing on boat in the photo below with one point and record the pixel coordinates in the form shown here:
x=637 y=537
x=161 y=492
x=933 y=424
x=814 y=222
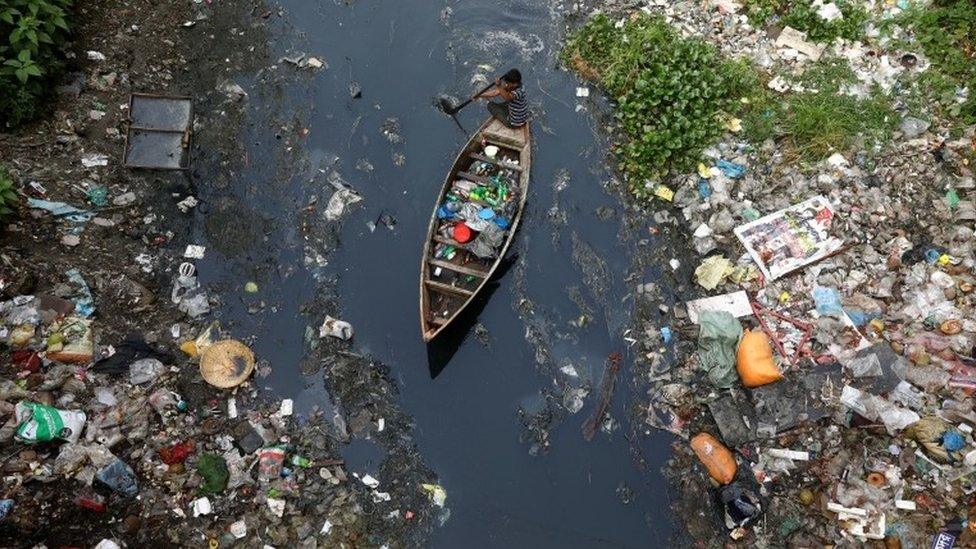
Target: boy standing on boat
x=514 y=110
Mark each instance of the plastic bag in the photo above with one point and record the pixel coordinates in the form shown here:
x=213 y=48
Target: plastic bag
x=716 y=458
x=436 y=492
x=145 y=370
x=828 y=301
x=335 y=328
x=39 y=423
x=119 y=477
x=720 y=332
x=713 y=271
x=742 y=505
x=928 y=432
x=754 y=360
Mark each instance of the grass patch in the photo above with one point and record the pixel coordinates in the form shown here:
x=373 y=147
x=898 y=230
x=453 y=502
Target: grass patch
x=672 y=93
x=802 y=15
x=822 y=120
x=31 y=34
x=821 y=123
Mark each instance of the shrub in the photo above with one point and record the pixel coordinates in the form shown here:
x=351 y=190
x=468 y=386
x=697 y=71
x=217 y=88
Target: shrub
x=31 y=33
x=7 y=195
x=946 y=31
x=802 y=15
x=672 y=93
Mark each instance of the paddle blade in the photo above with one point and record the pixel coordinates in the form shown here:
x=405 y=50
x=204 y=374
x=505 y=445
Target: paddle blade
x=447 y=104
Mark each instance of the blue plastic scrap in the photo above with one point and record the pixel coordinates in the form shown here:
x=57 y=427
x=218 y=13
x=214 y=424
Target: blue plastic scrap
x=98 y=196
x=731 y=169
x=84 y=302
x=828 y=301
x=704 y=188
x=952 y=440
x=444 y=213
x=60 y=209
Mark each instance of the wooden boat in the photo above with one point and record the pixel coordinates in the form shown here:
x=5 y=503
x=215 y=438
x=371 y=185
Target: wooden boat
x=452 y=273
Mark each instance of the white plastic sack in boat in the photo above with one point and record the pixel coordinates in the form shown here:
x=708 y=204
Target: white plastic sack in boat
x=39 y=423
x=470 y=214
x=487 y=243
x=335 y=328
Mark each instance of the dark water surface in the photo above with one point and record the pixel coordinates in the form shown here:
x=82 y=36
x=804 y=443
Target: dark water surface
x=403 y=53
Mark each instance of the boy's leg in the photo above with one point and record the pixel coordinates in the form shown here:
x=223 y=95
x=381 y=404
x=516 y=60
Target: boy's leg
x=499 y=111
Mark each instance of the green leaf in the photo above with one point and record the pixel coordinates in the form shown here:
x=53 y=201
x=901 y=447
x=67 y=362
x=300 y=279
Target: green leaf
x=21 y=75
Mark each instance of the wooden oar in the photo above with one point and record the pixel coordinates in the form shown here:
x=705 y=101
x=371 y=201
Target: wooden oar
x=454 y=110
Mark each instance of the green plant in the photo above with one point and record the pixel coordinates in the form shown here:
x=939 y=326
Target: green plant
x=31 y=33
x=946 y=30
x=759 y=11
x=821 y=120
x=671 y=93
x=802 y=15
x=8 y=196
x=820 y=123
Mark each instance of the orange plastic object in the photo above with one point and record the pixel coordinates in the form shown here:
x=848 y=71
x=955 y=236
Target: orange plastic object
x=754 y=360
x=715 y=457
x=462 y=233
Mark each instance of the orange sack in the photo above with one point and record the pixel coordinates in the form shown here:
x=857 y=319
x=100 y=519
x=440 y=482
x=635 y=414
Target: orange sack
x=754 y=360
x=715 y=457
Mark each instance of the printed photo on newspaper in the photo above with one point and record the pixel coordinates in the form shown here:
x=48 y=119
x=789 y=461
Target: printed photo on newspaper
x=789 y=239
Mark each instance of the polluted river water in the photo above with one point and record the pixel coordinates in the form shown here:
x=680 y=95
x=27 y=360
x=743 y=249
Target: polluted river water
x=489 y=405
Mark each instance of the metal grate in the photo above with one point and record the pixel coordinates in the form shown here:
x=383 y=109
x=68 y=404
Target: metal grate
x=159 y=132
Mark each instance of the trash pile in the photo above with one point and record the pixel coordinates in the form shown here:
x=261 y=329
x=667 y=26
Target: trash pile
x=822 y=363
x=480 y=205
x=171 y=444
x=824 y=375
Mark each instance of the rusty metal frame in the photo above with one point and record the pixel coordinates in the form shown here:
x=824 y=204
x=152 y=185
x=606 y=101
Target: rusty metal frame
x=185 y=141
x=758 y=310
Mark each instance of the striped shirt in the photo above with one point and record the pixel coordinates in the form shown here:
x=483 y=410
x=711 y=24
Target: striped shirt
x=518 y=108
